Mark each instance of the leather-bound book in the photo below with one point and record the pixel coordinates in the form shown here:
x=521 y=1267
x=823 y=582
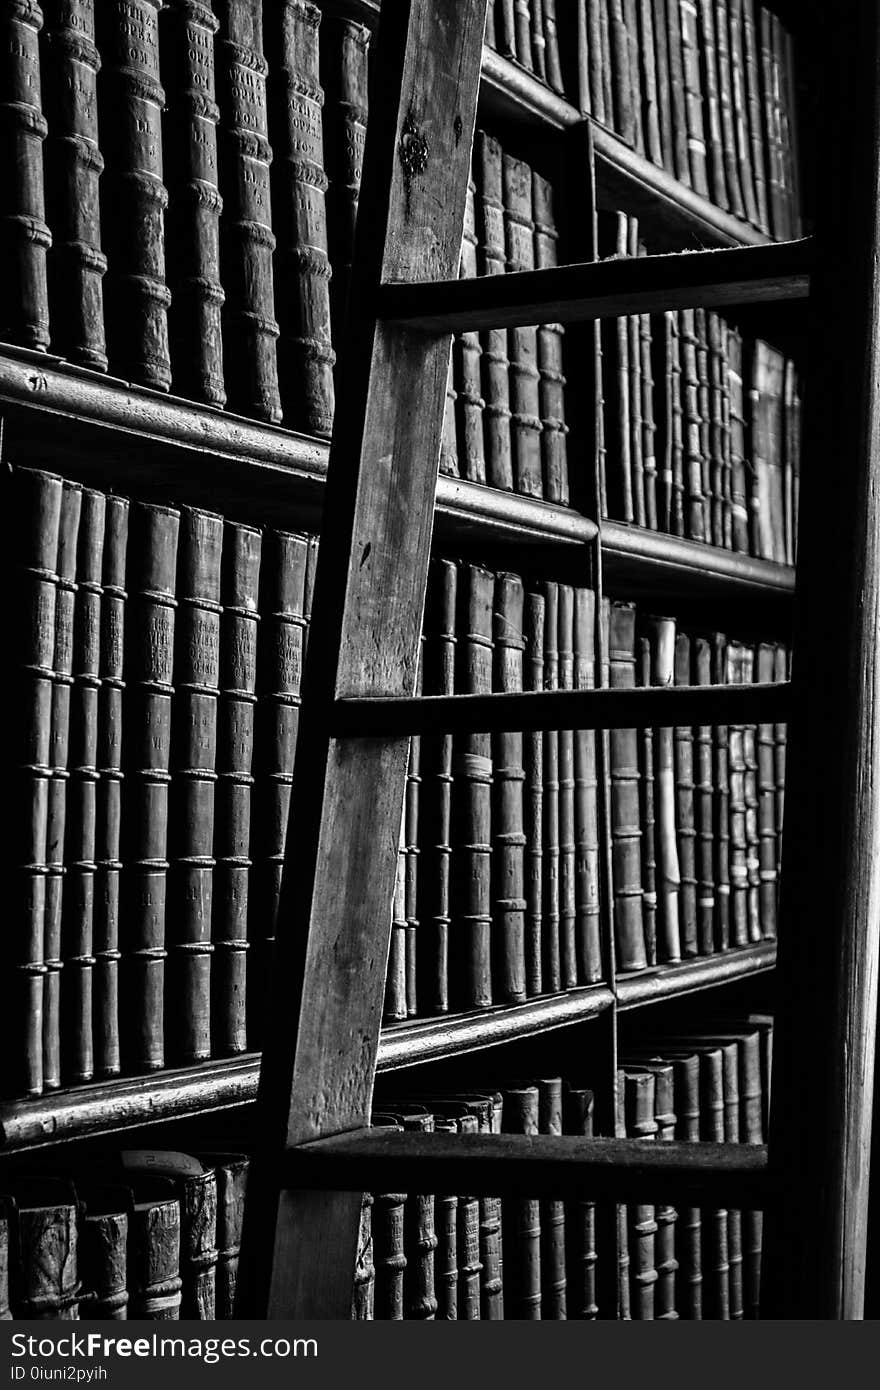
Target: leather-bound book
x=470 y=955
x=490 y=37
x=419 y=1238
x=343 y=70
x=134 y=198
x=505 y=27
x=388 y=1250
x=781 y=672
x=625 y=820
x=239 y=622
x=446 y=1257
x=685 y=817
x=550 y=361
x=552 y=945
x=73 y=165
x=745 y=675
x=647 y=47
x=694 y=96
x=395 y=974
x=674 y=475
x=154 y=1284
x=280 y=653
x=716 y=1230
x=661 y=634
x=599 y=60
x=739 y=501
x=668 y=18
x=148 y=674
x=647 y=809
x=467 y=352
x=24 y=235
x=525 y=402
x=102 y=1252
x=508 y=834
x=788 y=112
x=711 y=106
x=721 y=763
x=433 y=911
x=739 y=847
x=791 y=461
x=586 y=800
x=718 y=23
x=614 y=336
x=108 y=819
x=704 y=409
x=364 y=1285
x=754 y=101
x=697 y=501
x=704 y=804
x=554 y=1231
x=523 y=33
x=771 y=110
x=231 y=1175
x=630 y=248
x=631 y=21
x=299 y=184
x=666 y=1217
x=448 y=465
x=621 y=1215
x=62 y=682
x=195 y=1185
x=662 y=79
x=43 y=1282
x=568 y=935
x=491 y=260
x=78 y=908
x=730 y=1069
x=580 y=1218
x=247 y=242
x=641 y=1124
x=767 y=437
x=648 y=424
x=411 y=858
x=739 y=102
x=522 y=1217
x=5 y=1310
x=533 y=761
x=551 y=53
x=194 y=778
x=469 y=1263
x=719 y=433
x=766 y=789
x=539 y=42
x=187 y=29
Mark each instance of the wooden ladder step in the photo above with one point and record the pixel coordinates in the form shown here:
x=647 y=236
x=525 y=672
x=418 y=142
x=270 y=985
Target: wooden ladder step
x=644 y=708
x=539 y=1165
x=603 y=289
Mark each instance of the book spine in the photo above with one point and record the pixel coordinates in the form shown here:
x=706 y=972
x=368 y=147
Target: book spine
x=279 y=676
x=239 y=594
x=490 y=37
x=649 y=427
x=363 y=1289
x=704 y=807
x=505 y=28
x=739 y=849
x=755 y=116
x=580 y=1220
x=621 y=74
x=148 y=674
x=435 y=822
x=193 y=222
x=470 y=962
x=232 y=1176
x=533 y=759
x=647 y=811
x=550 y=359
x=73 y=167
x=718 y=21
x=491 y=260
x=24 y=236
x=78 y=908
x=689 y=1246
x=102 y=1249
x=420 y=1241
x=448 y=440
x=739 y=503
x=467 y=353
x=752 y=1132
x=719 y=432
x=661 y=634
x=712 y=106
x=586 y=802
x=791 y=460
x=523 y=34
x=625 y=822
x=596 y=17
x=108 y=812
x=553 y=1213
x=697 y=501
x=394 y=1008
x=299 y=185
x=388 y=1255
x=607 y=74
x=539 y=42
x=716 y=1289
x=247 y=242
x=766 y=780
x=469 y=1263
x=784 y=47
x=614 y=338
x=44 y=1274
x=194 y=778
x=730 y=1068
x=781 y=672
x=768 y=448
x=34 y=498
x=552 y=946
x=522 y=342
x=776 y=170
x=508 y=839
x=154 y=1284
x=693 y=95
x=675 y=425
x=522 y=1218
x=567 y=832
x=664 y=89
x=681 y=163
x=5 y=1310
x=745 y=666
x=134 y=198
x=343 y=70
x=630 y=247
x=411 y=809
x=551 y=37
x=446 y=1259
x=630 y=16
x=685 y=817
x=667 y=1216
x=198 y=1246
x=723 y=800
x=648 y=59
x=704 y=408
x=56 y=819
x=641 y=1124
x=743 y=144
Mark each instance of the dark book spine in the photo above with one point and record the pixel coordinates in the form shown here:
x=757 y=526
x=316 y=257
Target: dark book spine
x=766 y=785
x=649 y=427
x=73 y=168
x=784 y=48
x=193 y=783
x=279 y=675
x=522 y=1219
x=739 y=872
x=239 y=595
x=523 y=342
x=343 y=70
x=792 y=466
x=580 y=1221
x=388 y=1255
x=768 y=443
x=34 y=500
x=642 y=1219
x=551 y=36
x=523 y=34
x=730 y=1069
x=661 y=633
x=647 y=810
x=755 y=112
x=198 y=1246
x=647 y=48
x=630 y=18
x=154 y=1284
x=231 y=1175
x=693 y=94
x=193 y=222
x=697 y=501
x=568 y=936
x=721 y=763
x=776 y=161
x=711 y=104
x=751 y=1132
x=148 y=673
x=491 y=260
x=102 y=1252
x=533 y=759
x=470 y=965
x=395 y=975
x=364 y=1286
x=467 y=353
x=78 y=912
x=539 y=42
x=247 y=241
x=133 y=195
x=664 y=89
x=299 y=185
x=553 y=1213
x=621 y=74
x=5 y=1310
x=24 y=236
x=56 y=819
x=685 y=817
x=630 y=248
x=44 y=1282
x=716 y=1250
x=446 y=1258
x=689 y=1242
x=681 y=164
x=411 y=810
x=675 y=425
x=719 y=433
x=731 y=13
x=469 y=1263
x=420 y=1241
x=704 y=408
x=625 y=821
x=508 y=839
x=448 y=440
x=781 y=672
x=550 y=360
x=739 y=502
x=108 y=818
x=704 y=806
x=586 y=802
x=729 y=152
x=505 y=27
x=552 y=945
x=614 y=340
x=745 y=674
x=667 y=1217
x=490 y=37
x=435 y=821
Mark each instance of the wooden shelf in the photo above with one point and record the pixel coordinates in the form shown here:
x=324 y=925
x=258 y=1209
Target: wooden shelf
x=109 y=1107
x=643 y=562
x=513 y=94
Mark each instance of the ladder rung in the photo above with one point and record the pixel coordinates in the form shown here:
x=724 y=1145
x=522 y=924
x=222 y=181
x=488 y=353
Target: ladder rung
x=651 y=707
x=543 y=1165
x=604 y=289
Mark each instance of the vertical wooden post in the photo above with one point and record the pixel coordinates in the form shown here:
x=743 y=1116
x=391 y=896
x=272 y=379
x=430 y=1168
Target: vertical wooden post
x=829 y=933
x=319 y=1061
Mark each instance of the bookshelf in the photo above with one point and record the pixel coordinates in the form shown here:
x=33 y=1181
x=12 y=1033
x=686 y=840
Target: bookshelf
x=110 y=432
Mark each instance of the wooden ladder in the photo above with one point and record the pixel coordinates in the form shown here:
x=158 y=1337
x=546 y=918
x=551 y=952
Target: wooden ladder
x=358 y=708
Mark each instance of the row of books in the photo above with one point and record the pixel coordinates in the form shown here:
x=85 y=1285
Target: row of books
x=707 y=90
x=696 y=813
x=526 y=31
x=156 y=1233
x=700 y=432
